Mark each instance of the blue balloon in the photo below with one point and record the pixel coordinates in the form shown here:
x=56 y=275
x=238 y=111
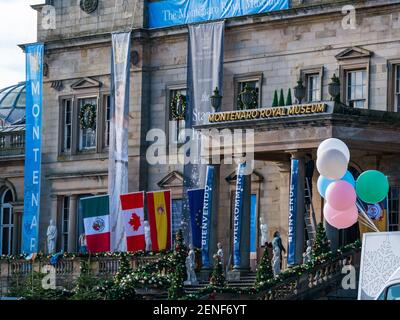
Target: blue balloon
x=323 y=183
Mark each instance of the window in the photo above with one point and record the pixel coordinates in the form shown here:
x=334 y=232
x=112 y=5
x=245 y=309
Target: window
x=87 y=136
x=356 y=88
x=176 y=216
x=6 y=223
x=393 y=292
x=64 y=224
x=67 y=124
x=176 y=99
x=394 y=224
x=313 y=88
x=107 y=121
x=254 y=82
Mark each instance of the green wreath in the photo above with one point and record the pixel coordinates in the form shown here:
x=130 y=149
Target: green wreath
x=254 y=99
x=175 y=113
x=87 y=116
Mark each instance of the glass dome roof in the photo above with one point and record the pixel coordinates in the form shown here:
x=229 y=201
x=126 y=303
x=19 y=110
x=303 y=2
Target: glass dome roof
x=12 y=104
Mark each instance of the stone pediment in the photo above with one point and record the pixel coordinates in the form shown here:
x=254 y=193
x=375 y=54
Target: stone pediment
x=255 y=177
x=171 y=180
x=353 y=53
x=86 y=83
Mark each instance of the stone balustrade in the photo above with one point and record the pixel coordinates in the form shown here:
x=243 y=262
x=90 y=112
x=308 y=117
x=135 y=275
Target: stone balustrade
x=66 y=269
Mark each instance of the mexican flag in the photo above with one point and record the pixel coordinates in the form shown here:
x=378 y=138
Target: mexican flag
x=159 y=210
x=96 y=219
x=132 y=205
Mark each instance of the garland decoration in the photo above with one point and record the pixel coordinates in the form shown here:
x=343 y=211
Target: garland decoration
x=87 y=116
x=178 y=107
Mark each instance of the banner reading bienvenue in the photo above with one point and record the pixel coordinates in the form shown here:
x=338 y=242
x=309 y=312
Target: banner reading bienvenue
x=33 y=143
x=292 y=212
x=205 y=68
x=167 y=13
x=207 y=213
x=238 y=213
x=118 y=149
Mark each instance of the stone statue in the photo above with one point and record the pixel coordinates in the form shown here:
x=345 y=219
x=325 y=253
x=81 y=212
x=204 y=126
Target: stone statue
x=276 y=259
x=190 y=266
x=220 y=253
x=51 y=237
x=308 y=254
x=263 y=232
x=147 y=237
x=82 y=243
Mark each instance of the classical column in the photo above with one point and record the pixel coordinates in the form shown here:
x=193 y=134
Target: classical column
x=72 y=239
x=296 y=209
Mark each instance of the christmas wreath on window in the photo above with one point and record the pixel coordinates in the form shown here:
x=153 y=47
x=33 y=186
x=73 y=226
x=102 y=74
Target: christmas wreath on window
x=248 y=93
x=87 y=116
x=178 y=107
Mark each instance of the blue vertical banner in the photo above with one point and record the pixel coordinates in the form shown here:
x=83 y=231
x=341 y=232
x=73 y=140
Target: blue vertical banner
x=253 y=224
x=207 y=215
x=196 y=200
x=33 y=147
x=292 y=212
x=238 y=213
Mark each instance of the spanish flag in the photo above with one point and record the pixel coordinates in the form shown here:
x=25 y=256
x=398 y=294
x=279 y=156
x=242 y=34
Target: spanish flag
x=159 y=212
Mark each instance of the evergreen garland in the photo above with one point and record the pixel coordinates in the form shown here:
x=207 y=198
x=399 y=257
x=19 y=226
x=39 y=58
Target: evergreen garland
x=275 y=102
x=289 y=101
x=217 y=278
x=178 y=268
x=321 y=245
x=123 y=270
x=264 y=270
x=281 y=99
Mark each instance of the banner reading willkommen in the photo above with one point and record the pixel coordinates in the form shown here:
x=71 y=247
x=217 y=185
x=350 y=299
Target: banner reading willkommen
x=118 y=148
x=205 y=69
x=33 y=145
x=238 y=213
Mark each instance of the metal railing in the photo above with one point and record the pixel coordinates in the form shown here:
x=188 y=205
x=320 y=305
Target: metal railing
x=12 y=144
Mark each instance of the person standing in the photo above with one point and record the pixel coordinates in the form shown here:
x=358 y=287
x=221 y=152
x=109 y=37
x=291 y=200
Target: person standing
x=277 y=244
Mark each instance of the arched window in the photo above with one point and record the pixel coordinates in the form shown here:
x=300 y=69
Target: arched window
x=6 y=222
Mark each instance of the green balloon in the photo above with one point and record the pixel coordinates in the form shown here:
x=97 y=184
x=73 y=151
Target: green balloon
x=372 y=186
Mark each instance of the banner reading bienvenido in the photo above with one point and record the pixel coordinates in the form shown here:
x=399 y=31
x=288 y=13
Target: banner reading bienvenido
x=165 y=13
x=118 y=148
x=33 y=143
x=207 y=216
x=291 y=257
x=205 y=69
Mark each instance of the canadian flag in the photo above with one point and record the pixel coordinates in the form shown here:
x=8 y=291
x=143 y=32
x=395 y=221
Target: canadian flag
x=132 y=205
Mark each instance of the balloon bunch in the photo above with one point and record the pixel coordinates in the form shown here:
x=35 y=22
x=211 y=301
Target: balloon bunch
x=338 y=187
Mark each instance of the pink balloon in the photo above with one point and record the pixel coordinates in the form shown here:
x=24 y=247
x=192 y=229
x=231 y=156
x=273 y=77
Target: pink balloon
x=341 y=195
x=341 y=219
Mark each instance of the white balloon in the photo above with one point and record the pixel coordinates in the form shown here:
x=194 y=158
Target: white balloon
x=334 y=143
x=332 y=164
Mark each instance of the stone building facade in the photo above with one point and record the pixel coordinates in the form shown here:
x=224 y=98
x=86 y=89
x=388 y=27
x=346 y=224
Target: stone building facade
x=312 y=40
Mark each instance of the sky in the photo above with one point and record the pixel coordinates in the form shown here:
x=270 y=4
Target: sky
x=17 y=26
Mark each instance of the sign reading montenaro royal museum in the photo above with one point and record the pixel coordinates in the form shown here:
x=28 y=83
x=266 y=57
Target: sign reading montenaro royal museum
x=266 y=113
x=166 y=13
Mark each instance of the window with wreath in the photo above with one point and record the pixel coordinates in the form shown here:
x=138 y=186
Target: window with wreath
x=248 y=91
x=177 y=108
x=87 y=112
